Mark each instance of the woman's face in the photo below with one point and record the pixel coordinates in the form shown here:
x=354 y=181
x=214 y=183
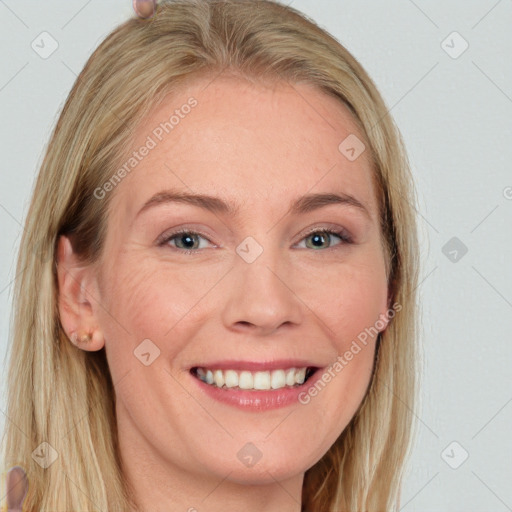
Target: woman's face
x=262 y=288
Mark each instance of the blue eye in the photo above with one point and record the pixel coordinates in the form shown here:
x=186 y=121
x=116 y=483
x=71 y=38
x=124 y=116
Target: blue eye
x=188 y=241
x=323 y=236
x=187 y=238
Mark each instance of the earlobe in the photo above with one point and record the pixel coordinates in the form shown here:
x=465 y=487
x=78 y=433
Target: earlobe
x=90 y=341
x=76 y=299
x=382 y=322
x=386 y=317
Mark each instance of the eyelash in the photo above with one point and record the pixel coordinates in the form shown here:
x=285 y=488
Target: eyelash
x=344 y=237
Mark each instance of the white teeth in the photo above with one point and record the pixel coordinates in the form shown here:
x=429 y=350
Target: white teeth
x=262 y=380
x=278 y=379
x=230 y=378
x=218 y=378
x=290 y=377
x=245 y=380
x=300 y=376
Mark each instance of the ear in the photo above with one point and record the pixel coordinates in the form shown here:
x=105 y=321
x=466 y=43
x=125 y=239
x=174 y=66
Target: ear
x=78 y=292
x=383 y=321
x=385 y=317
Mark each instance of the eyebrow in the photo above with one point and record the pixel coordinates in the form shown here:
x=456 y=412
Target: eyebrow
x=304 y=204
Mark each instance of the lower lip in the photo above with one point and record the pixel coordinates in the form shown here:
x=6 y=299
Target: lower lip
x=258 y=400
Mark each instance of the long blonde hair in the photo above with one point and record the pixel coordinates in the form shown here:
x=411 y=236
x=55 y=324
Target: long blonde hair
x=63 y=395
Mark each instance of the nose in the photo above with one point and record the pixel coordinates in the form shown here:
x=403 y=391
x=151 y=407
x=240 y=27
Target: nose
x=261 y=297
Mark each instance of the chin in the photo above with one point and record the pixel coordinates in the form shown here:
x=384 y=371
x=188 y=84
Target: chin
x=265 y=470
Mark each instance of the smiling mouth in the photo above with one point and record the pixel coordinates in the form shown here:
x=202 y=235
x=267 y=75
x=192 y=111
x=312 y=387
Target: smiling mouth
x=254 y=381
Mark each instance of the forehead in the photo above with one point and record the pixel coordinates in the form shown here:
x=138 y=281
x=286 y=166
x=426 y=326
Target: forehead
x=247 y=142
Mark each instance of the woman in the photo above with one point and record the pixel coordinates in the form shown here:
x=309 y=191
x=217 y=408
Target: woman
x=216 y=304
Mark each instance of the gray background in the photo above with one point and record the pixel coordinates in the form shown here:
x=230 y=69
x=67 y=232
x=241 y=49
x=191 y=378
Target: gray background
x=454 y=110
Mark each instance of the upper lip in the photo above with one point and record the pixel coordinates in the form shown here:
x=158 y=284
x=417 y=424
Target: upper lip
x=257 y=365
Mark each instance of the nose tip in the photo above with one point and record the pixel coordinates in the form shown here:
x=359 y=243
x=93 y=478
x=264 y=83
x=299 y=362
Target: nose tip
x=262 y=300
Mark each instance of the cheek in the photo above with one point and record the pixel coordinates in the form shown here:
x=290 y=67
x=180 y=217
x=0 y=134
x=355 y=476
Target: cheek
x=349 y=304
x=350 y=300
x=144 y=299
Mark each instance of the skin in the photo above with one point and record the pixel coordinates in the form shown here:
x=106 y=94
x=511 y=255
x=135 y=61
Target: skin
x=261 y=147
x=16 y=485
